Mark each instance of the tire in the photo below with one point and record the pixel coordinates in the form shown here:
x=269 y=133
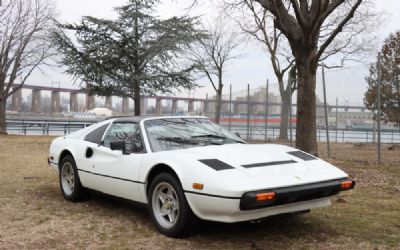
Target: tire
x=173 y=216
x=70 y=184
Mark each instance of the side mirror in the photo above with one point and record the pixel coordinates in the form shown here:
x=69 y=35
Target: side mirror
x=237 y=134
x=118 y=145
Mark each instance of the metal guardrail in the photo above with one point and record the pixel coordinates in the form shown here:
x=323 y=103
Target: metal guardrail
x=58 y=127
x=46 y=127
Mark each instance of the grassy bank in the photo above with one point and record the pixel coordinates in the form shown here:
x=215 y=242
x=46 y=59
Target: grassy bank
x=33 y=213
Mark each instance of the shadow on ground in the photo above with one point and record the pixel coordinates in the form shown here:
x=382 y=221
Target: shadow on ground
x=280 y=228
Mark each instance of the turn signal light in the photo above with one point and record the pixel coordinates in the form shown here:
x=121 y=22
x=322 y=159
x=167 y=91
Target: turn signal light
x=346 y=185
x=265 y=196
x=197 y=186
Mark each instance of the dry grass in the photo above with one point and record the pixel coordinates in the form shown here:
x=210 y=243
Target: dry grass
x=34 y=215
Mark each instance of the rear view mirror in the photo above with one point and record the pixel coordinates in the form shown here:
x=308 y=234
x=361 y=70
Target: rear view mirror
x=237 y=134
x=118 y=145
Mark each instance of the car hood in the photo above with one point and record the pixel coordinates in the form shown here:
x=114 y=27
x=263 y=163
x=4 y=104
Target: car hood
x=239 y=155
x=260 y=165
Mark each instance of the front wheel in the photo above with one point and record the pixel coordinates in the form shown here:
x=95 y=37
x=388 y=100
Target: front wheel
x=168 y=206
x=70 y=184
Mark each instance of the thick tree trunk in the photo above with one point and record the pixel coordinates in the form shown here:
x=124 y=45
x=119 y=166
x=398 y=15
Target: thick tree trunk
x=285 y=106
x=218 y=106
x=3 y=126
x=306 y=136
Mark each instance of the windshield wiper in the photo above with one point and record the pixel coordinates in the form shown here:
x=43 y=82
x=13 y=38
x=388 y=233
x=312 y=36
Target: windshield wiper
x=216 y=137
x=178 y=140
x=209 y=136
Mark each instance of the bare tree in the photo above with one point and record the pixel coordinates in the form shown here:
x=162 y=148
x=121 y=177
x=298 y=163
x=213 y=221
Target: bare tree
x=258 y=23
x=24 y=28
x=351 y=44
x=211 y=56
x=315 y=30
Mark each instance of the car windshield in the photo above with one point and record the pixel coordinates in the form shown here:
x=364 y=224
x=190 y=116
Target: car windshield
x=177 y=133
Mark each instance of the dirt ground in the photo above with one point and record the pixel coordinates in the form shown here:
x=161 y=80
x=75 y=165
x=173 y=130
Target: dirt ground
x=34 y=215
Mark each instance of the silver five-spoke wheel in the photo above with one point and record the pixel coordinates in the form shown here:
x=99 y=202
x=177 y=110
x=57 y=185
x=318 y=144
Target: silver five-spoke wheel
x=168 y=206
x=165 y=204
x=68 y=178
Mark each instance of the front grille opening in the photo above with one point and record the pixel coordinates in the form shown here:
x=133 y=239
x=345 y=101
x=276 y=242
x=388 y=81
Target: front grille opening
x=305 y=196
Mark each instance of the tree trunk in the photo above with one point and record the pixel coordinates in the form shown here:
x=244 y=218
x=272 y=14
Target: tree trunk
x=285 y=106
x=218 y=106
x=136 y=99
x=306 y=136
x=136 y=102
x=136 y=83
x=3 y=126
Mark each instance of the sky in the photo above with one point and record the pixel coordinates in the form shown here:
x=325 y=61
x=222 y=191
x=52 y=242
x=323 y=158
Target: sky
x=253 y=67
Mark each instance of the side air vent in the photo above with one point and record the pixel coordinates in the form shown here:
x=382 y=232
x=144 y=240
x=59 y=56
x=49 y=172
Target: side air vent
x=216 y=164
x=302 y=155
x=89 y=153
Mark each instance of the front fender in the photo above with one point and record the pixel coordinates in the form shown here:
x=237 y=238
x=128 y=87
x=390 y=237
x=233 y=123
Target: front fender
x=189 y=170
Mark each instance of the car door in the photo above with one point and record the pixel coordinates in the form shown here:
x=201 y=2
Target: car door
x=116 y=172
x=84 y=155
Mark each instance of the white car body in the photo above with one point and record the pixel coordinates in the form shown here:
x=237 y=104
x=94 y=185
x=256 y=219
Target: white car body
x=252 y=167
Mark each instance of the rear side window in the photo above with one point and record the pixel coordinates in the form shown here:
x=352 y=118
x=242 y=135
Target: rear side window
x=96 y=135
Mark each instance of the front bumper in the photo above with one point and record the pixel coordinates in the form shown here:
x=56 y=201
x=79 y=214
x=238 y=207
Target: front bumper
x=294 y=194
x=228 y=209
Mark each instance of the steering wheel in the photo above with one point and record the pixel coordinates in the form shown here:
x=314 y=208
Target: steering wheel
x=121 y=135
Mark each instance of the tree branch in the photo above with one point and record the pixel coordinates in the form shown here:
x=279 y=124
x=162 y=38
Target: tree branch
x=338 y=29
x=299 y=16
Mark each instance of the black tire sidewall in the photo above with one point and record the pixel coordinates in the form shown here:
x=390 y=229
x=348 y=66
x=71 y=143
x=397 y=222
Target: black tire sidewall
x=78 y=189
x=185 y=219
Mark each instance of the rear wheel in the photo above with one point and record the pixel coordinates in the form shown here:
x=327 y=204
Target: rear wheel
x=70 y=184
x=168 y=206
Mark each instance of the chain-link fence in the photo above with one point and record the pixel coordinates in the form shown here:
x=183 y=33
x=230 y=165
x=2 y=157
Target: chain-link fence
x=255 y=113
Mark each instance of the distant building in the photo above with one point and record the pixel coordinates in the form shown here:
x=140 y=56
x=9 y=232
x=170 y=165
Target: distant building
x=239 y=104
x=260 y=96
x=347 y=118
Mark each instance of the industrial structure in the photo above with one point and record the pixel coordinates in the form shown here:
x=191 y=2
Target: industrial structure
x=236 y=106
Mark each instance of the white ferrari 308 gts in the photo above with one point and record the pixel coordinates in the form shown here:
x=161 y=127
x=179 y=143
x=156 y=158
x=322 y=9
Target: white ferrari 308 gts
x=187 y=168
